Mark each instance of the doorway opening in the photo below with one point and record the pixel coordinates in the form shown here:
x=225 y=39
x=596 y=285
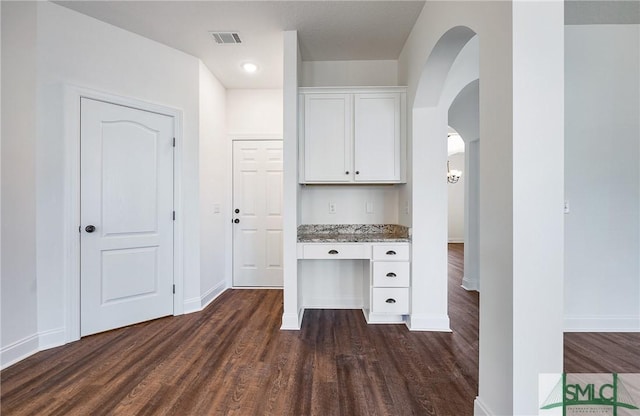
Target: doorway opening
x=444 y=99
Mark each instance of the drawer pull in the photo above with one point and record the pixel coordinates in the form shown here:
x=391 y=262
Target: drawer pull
x=391 y=253
x=390 y=300
x=391 y=274
x=333 y=251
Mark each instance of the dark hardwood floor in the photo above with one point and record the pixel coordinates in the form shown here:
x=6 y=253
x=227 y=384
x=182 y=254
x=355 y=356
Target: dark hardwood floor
x=232 y=359
x=606 y=352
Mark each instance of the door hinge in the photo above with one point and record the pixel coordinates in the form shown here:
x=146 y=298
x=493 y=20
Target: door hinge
x=174 y=215
x=174 y=289
x=174 y=142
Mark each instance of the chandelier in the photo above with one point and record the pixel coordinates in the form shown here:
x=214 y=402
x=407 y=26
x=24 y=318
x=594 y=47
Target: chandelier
x=453 y=175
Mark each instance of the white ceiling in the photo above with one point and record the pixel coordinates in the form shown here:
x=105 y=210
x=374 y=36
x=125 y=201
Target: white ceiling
x=327 y=30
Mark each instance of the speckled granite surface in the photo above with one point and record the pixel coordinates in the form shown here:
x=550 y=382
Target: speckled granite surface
x=351 y=233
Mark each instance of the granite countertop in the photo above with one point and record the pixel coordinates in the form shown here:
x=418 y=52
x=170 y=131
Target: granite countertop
x=353 y=233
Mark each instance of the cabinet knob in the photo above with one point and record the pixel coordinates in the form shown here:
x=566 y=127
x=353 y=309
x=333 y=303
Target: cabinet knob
x=333 y=251
x=391 y=253
x=357 y=172
x=346 y=173
x=390 y=300
x=236 y=221
x=237 y=211
x=391 y=274
x=90 y=228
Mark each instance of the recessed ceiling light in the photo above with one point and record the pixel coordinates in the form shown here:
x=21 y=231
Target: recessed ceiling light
x=249 y=67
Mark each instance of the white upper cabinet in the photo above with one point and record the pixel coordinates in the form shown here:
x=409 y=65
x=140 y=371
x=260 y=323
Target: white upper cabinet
x=352 y=135
x=327 y=132
x=376 y=137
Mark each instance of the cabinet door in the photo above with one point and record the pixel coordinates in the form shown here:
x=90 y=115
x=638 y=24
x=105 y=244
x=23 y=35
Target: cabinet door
x=327 y=140
x=377 y=137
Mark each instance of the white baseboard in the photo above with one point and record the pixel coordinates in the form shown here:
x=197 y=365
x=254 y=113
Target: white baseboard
x=380 y=318
x=256 y=287
x=292 y=321
x=480 y=409
x=333 y=303
x=470 y=283
x=192 y=305
x=18 y=350
x=436 y=323
x=211 y=294
x=601 y=323
x=51 y=338
x=456 y=241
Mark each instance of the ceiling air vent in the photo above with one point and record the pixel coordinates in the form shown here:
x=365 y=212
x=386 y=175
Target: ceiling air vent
x=224 y=38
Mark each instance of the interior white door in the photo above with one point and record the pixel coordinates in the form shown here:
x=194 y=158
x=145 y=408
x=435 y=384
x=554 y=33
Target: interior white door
x=257 y=216
x=126 y=211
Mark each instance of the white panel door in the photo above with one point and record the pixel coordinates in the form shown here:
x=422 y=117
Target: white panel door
x=126 y=210
x=257 y=213
x=377 y=137
x=327 y=127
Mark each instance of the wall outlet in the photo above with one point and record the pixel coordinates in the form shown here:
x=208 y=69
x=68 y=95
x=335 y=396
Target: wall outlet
x=332 y=207
x=567 y=208
x=216 y=208
x=368 y=207
x=406 y=207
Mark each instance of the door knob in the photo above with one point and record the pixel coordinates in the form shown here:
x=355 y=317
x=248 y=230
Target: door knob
x=90 y=228
x=236 y=220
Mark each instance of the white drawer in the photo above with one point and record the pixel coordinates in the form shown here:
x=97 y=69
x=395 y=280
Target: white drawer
x=391 y=273
x=392 y=300
x=391 y=252
x=334 y=251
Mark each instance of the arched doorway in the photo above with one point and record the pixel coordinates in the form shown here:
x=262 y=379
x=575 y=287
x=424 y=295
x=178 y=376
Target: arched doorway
x=452 y=65
x=464 y=118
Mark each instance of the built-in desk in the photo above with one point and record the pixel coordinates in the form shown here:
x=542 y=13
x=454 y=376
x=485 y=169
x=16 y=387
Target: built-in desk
x=386 y=279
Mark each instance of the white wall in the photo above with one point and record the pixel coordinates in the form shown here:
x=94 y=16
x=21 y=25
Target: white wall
x=515 y=92
x=349 y=73
x=455 y=213
x=215 y=208
x=602 y=178
x=538 y=221
x=351 y=203
x=18 y=284
x=291 y=316
x=254 y=112
x=76 y=49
